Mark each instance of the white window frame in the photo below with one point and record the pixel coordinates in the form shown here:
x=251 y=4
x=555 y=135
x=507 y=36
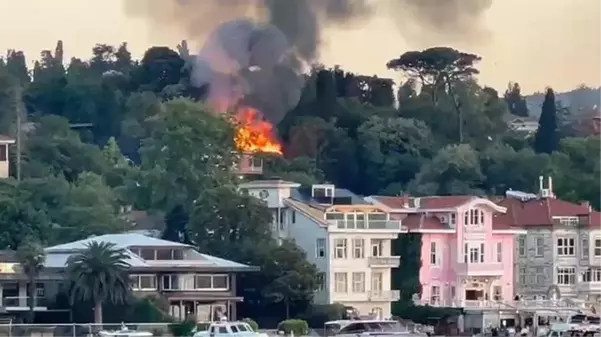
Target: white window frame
x=539 y=246
x=473 y=252
x=340 y=282
x=592 y=275
x=435 y=294
x=597 y=247
x=435 y=258
x=570 y=221
x=378 y=244
x=565 y=276
x=358 y=280
x=358 y=248
x=499 y=253
x=137 y=284
x=565 y=246
x=473 y=217
x=320 y=248
x=522 y=245
x=585 y=247
x=340 y=249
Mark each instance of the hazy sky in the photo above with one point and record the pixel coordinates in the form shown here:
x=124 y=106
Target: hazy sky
x=534 y=42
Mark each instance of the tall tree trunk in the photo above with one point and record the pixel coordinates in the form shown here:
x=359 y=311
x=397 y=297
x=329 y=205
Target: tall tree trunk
x=31 y=292
x=287 y=304
x=98 y=313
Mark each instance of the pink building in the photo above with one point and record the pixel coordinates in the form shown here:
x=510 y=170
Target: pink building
x=467 y=248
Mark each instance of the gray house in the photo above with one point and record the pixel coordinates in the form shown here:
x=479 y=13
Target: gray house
x=557 y=258
x=192 y=282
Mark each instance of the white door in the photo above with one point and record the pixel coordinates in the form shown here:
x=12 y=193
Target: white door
x=377 y=280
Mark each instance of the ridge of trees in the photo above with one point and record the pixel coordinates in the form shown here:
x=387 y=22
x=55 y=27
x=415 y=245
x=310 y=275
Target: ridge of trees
x=109 y=134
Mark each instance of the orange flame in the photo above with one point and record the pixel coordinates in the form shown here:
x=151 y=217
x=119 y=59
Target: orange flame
x=254 y=134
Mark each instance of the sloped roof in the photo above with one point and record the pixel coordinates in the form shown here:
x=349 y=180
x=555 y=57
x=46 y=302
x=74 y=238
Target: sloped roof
x=124 y=240
x=430 y=202
x=417 y=221
x=540 y=212
x=57 y=256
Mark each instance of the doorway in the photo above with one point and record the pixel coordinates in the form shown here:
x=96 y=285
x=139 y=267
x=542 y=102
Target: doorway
x=474 y=294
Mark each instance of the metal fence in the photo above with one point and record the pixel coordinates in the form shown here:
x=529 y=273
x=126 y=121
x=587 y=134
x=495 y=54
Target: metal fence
x=90 y=329
x=77 y=329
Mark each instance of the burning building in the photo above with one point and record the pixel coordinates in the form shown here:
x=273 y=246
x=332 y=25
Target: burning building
x=254 y=138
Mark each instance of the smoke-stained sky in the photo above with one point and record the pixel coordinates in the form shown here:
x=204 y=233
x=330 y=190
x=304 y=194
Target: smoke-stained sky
x=535 y=42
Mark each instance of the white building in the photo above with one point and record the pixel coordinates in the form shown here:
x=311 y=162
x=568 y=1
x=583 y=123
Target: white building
x=348 y=239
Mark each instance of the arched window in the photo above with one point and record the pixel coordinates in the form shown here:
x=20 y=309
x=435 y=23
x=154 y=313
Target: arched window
x=481 y=217
x=465 y=219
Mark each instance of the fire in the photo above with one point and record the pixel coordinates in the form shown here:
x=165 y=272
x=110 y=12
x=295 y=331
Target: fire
x=254 y=134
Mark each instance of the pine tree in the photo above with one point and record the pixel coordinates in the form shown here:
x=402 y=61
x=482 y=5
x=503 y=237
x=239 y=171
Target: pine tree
x=546 y=139
x=515 y=101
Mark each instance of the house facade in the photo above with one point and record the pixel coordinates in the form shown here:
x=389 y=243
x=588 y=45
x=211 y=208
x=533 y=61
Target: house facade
x=559 y=256
x=347 y=238
x=467 y=252
x=193 y=283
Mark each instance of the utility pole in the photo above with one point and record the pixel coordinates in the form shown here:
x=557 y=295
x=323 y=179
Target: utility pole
x=19 y=111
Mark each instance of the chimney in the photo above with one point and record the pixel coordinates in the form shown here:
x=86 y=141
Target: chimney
x=540 y=183
x=550 y=187
x=587 y=205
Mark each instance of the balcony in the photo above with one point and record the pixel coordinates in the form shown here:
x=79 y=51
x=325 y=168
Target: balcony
x=593 y=288
x=22 y=303
x=479 y=269
x=524 y=305
x=369 y=225
x=384 y=295
x=384 y=261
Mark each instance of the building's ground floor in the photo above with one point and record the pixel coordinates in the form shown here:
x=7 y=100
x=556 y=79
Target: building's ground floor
x=467 y=291
x=203 y=310
x=368 y=309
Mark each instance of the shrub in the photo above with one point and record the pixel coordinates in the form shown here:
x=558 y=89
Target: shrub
x=296 y=326
x=317 y=315
x=182 y=329
x=252 y=323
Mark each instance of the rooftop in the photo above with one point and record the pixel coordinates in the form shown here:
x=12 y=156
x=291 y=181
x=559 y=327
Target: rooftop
x=57 y=256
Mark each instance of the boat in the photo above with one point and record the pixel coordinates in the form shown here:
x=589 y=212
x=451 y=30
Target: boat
x=229 y=329
x=368 y=327
x=124 y=332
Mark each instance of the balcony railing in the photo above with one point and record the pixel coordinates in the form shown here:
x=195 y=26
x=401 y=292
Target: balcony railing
x=369 y=224
x=480 y=269
x=24 y=302
x=384 y=261
x=503 y=304
x=384 y=295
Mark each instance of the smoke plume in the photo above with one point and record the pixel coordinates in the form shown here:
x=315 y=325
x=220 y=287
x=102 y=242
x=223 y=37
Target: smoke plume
x=255 y=49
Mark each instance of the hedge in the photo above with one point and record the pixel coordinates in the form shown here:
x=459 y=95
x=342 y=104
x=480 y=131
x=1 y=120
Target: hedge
x=296 y=326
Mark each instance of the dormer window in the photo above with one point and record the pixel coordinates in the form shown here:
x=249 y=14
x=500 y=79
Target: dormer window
x=322 y=191
x=473 y=217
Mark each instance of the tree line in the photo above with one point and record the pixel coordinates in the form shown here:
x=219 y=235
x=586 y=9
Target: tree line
x=108 y=134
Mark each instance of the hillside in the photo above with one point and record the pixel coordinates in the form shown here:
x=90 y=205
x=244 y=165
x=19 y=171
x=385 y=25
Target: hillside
x=580 y=99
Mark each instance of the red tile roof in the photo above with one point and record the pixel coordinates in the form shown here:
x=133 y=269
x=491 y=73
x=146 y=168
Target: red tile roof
x=539 y=212
x=417 y=221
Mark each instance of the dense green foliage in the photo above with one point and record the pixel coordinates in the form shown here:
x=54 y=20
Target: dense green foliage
x=109 y=134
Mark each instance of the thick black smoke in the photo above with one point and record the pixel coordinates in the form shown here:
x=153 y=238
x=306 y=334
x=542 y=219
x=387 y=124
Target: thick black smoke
x=255 y=49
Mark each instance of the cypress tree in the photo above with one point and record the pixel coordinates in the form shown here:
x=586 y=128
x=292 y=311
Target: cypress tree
x=546 y=139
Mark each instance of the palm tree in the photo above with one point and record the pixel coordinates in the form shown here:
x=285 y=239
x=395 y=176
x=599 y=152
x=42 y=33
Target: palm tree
x=99 y=274
x=31 y=256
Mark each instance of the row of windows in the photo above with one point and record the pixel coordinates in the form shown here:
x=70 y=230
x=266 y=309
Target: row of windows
x=436 y=294
x=472 y=253
x=564 y=246
x=341 y=284
x=159 y=253
x=563 y=276
x=180 y=282
x=341 y=248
